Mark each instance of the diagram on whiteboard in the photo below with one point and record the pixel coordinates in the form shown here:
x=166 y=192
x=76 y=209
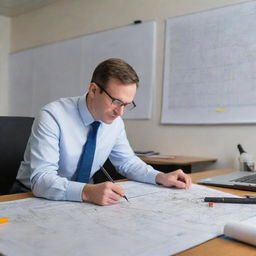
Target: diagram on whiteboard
x=210 y=64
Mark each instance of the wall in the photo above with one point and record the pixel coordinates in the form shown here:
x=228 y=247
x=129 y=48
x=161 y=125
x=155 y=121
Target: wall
x=4 y=51
x=66 y=19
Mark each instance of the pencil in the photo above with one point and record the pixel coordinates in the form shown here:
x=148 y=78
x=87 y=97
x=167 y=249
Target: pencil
x=3 y=220
x=110 y=179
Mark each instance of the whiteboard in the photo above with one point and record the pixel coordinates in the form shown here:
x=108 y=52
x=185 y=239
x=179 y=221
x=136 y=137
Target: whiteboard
x=210 y=67
x=62 y=69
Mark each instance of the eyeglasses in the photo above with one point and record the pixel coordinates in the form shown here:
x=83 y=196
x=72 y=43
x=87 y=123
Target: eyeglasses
x=118 y=103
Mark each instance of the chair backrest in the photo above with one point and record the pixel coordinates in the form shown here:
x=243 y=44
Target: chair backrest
x=14 y=134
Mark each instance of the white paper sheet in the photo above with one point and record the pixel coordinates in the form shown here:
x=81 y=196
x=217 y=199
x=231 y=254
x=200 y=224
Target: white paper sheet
x=156 y=221
x=241 y=231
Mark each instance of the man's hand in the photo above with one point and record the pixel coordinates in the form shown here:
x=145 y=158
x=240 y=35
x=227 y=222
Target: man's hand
x=106 y=193
x=176 y=179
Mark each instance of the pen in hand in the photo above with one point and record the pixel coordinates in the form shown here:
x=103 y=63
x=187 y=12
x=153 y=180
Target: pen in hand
x=110 y=179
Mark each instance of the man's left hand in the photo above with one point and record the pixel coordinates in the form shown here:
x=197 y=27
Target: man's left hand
x=176 y=179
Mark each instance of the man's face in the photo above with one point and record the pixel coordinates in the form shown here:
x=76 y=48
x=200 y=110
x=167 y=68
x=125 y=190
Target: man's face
x=100 y=103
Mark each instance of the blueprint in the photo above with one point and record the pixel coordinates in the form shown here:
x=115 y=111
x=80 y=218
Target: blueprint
x=155 y=221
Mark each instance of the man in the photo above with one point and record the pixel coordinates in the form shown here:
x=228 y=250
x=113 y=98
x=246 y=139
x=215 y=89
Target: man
x=56 y=154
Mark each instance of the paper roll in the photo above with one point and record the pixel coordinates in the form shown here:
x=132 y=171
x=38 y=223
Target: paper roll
x=241 y=231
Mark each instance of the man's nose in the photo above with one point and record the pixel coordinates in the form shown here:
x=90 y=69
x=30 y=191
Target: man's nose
x=120 y=110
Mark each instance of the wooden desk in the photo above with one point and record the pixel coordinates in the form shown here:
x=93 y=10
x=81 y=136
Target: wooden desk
x=214 y=247
x=176 y=162
x=15 y=196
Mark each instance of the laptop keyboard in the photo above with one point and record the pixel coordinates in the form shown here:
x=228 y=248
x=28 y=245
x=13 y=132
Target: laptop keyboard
x=247 y=179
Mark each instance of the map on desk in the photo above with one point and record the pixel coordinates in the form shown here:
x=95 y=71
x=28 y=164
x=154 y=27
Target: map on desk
x=155 y=221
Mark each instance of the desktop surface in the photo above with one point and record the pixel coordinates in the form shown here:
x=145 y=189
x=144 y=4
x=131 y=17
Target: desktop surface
x=168 y=163
x=176 y=159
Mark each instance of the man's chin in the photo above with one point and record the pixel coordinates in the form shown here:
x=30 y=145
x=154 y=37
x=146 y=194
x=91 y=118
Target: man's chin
x=109 y=120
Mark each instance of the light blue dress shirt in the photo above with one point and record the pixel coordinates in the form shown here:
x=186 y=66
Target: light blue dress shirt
x=55 y=146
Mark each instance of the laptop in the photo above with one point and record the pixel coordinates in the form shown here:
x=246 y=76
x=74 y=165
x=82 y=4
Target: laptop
x=238 y=180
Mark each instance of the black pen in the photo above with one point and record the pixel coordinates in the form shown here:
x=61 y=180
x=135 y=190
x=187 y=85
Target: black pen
x=110 y=179
x=232 y=200
x=249 y=196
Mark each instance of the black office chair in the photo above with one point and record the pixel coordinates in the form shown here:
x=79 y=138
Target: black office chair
x=14 y=134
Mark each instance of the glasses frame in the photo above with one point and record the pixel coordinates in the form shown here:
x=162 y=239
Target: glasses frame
x=119 y=103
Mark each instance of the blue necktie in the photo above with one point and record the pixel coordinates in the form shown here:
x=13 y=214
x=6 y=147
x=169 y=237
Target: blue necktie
x=86 y=159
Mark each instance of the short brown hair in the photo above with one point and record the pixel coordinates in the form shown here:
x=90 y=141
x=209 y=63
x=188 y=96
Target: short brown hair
x=114 y=68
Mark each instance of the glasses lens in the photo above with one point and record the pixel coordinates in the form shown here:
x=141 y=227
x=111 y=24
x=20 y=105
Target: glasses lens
x=119 y=104
x=130 y=106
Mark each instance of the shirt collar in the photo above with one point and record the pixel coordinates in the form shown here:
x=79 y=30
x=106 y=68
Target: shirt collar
x=84 y=111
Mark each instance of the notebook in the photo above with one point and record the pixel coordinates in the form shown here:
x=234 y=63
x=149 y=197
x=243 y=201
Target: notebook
x=238 y=180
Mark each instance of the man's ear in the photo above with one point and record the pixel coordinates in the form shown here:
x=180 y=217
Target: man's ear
x=92 y=90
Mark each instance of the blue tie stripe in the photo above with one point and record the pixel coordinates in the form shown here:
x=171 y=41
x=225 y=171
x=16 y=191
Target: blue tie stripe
x=86 y=159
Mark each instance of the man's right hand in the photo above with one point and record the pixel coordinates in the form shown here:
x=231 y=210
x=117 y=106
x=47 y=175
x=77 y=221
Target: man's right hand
x=106 y=193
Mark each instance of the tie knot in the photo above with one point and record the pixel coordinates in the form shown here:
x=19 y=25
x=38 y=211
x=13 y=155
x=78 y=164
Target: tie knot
x=95 y=125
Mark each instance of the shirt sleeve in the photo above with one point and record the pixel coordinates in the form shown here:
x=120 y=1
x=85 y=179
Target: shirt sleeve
x=128 y=164
x=44 y=159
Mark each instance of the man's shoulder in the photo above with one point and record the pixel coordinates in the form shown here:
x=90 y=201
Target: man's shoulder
x=62 y=104
x=63 y=109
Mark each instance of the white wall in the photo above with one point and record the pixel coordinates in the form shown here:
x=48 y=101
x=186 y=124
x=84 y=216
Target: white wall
x=66 y=19
x=4 y=51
